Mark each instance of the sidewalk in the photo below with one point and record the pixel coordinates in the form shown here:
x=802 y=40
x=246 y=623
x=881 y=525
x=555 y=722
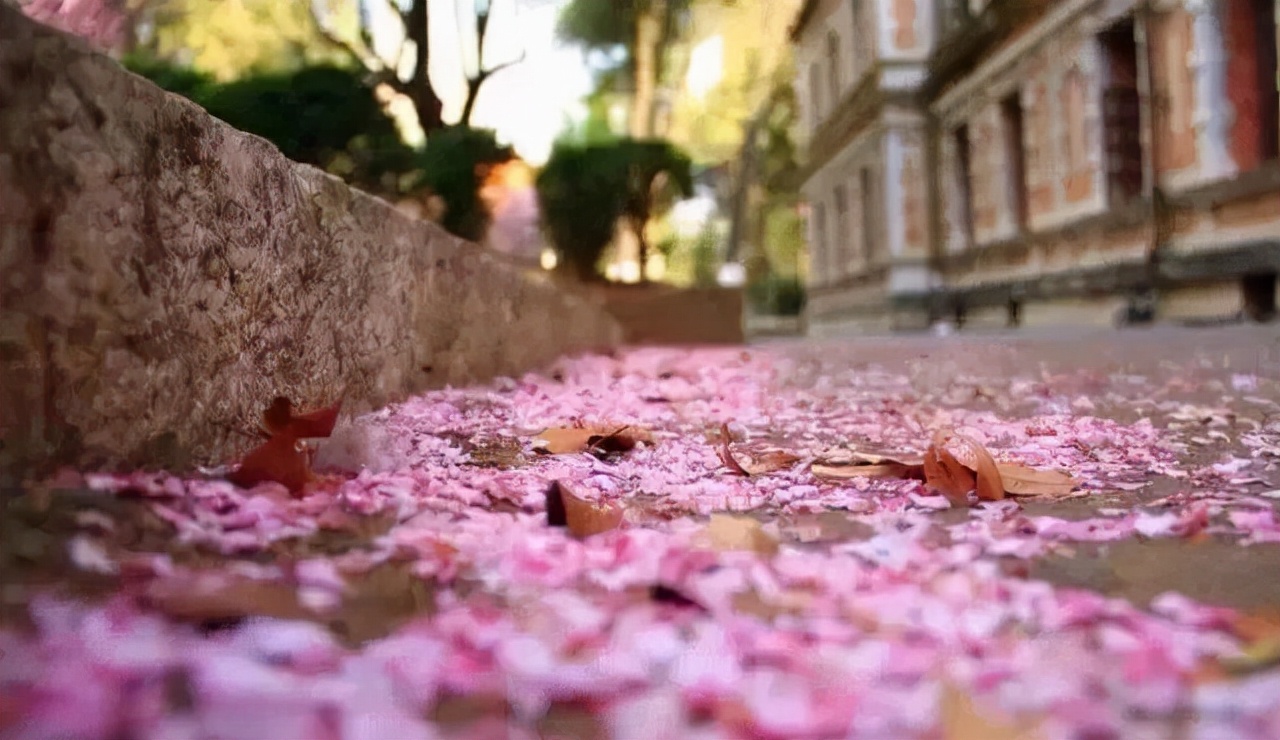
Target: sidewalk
x=417 y=590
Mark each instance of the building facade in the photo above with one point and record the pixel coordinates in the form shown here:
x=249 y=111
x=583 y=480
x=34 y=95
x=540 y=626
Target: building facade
x=998 y=162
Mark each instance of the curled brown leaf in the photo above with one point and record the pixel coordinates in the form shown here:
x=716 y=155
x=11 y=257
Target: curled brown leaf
x=891 y=469
x=1020 y=480
x=726 y=454
x=595 y=439
x=973 y=455
x=284 y=458
x=944 y=473
x=583 y=518
x=730 y=532
x=752 y=463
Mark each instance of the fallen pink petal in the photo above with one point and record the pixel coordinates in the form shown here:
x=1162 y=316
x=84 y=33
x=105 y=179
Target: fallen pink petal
x=422 y=595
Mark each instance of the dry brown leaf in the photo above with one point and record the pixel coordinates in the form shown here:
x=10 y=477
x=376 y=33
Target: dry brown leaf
x=281 y=459
x=1020 y=480
x=582 y=517
x=868 y=456
x=787 y=602
x=595 y=439
x=961 y=720
x=284 y=458
x=752 y=463
x=730 y=532
x=220 y=597
x=954 y=465
x=768 y=461
x=944 y=474
x=279 y=419
x=726 y=455
x=974 y=456
x=890 y=469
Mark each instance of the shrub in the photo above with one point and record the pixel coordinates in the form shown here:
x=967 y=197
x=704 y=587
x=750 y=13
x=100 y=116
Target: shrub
x=585 y=189
x=777 y=296
x=454 y=165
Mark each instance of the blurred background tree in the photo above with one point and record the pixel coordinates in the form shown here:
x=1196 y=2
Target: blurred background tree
x=586 y=191
x=691 y=98
x=456 y=162
x=631 y=38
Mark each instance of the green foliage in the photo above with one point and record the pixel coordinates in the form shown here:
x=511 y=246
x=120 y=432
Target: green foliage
x=185 y=81
x=454 y=165
x=776 y=295
x=705 y=255
x=584 y=190
x=579 y=199
x=231 y=40
x=784 y=239
x=653 y=174
x=598 y=24
x=324 y=116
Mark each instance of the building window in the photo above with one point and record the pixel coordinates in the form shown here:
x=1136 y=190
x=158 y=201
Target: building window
x=1015 y=161
x=964 y=181
x=821 y=260
x=867 y=210
x=1249 y=31
x=833 y=67
x=841 y=254
x=815 y=94
x=1121 y=112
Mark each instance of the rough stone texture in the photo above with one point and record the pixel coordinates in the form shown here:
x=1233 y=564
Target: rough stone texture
x=162 y=276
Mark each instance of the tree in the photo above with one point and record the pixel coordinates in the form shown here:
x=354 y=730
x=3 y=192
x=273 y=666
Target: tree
x=578 y=196
x=652 y=174
x=642 y=30
x=231 y=40
x=477 y=75
x=415 y=34
x=415 y=23
x=585 y=189
x=455 y=163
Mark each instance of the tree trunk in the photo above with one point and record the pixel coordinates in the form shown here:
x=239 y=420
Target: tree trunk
x=642 y=245
x=651 y=22
x=426 y=102
x=473 y=92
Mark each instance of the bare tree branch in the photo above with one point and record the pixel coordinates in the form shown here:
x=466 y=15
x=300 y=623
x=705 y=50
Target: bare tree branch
x=360 y=52
x=474 y=82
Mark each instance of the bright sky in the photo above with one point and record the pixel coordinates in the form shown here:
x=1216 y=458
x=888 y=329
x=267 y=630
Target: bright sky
x=528 y=103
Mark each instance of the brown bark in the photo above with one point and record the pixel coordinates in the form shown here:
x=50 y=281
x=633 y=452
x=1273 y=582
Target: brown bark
x=651 y=24
x=426 y=101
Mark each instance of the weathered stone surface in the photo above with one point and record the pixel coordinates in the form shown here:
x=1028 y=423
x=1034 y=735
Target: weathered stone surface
x=162 y=276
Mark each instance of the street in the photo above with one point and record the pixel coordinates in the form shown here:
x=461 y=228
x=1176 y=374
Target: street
x=667 y=562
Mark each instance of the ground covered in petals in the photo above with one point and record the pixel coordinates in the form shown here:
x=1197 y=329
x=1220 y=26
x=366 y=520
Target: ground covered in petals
x=416 y=589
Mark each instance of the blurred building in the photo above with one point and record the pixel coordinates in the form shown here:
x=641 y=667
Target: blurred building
x=998 y=162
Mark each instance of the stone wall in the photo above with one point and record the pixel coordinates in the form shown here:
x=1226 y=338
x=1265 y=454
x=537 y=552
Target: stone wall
x=163 y=276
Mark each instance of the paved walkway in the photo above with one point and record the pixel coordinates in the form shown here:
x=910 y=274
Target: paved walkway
x=416 y=589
